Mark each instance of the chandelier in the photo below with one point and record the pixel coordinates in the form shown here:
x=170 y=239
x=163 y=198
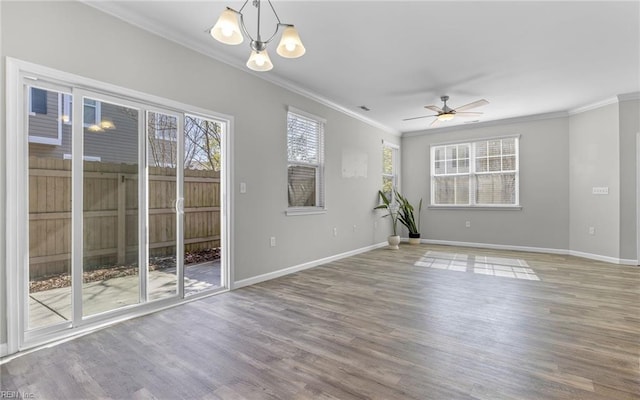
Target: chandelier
x=227 y=30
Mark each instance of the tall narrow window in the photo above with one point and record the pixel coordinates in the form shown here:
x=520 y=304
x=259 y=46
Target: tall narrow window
x=389 y=168
x=480 y=173
x=305 y=150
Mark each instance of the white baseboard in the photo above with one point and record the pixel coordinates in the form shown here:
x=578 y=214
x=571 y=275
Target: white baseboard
x=590 y=256
x=301 y=267
x=607 y=259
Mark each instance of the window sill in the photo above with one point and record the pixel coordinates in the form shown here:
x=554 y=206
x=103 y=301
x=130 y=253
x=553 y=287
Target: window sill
x=480 y=208
x=292 y=212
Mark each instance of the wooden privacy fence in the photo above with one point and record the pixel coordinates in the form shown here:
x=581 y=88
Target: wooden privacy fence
x=110 y=217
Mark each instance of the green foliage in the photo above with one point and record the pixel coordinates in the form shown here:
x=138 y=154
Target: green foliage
x=392 y=209
x=406 y=214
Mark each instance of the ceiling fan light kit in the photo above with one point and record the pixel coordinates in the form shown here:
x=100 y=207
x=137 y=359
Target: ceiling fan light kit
x=230 y=29
x=447 y=113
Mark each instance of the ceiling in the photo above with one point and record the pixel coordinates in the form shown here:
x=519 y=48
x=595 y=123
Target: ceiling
x=395 y=57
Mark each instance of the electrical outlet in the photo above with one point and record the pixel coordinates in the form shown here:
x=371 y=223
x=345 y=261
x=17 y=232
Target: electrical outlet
x=355 y=227
x=592 y=230
x=243 y=187
x=468 y=224
x=272 y=241
x=335 y=231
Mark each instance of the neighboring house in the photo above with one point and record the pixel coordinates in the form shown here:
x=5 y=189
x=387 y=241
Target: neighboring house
x=110 y=130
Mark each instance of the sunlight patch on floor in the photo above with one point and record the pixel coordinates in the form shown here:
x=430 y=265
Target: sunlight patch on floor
x=496 y=266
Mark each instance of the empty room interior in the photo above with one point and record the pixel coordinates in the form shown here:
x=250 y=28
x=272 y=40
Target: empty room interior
x=320 y=199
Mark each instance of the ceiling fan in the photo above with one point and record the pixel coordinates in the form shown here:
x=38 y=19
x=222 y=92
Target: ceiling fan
x=447 y=113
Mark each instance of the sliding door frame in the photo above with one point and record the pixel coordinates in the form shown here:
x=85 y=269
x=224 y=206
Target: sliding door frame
x=17 y=252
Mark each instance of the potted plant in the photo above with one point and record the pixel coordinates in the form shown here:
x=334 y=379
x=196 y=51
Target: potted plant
x=406 y=216
x=392 y=209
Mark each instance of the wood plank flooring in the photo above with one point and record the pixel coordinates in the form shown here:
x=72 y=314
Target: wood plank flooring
x=373 y=326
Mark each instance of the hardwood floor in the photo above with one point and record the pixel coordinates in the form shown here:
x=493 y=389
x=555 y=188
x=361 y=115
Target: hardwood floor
x=404 y=324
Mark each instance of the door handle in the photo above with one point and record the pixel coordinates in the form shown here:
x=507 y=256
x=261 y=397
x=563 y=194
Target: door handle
x=180 y=206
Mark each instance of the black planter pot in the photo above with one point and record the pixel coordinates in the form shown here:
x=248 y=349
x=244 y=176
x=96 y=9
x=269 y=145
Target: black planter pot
x=414 y=238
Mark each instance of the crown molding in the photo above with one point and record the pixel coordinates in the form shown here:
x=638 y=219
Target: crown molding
x=629 y=96
x=593 y=106
x=484 y=124
x=119 y=11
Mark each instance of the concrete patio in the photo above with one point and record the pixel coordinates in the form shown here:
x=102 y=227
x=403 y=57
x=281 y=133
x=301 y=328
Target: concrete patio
x=53 y=306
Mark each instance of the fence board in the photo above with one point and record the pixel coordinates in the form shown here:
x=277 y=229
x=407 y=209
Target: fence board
x=111 y=213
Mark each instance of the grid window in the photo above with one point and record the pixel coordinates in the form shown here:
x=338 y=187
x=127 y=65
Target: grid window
x=305 y=153
x=390 y=164
x=480 y=173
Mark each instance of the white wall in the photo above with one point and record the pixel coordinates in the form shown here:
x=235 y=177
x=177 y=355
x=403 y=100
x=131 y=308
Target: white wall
x=543 y=221
x=629 y=129
x=594 y=162
x=76 y=38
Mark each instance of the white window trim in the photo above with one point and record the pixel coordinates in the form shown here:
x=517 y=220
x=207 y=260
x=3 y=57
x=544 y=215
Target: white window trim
x=320 y=175
x=485 y=207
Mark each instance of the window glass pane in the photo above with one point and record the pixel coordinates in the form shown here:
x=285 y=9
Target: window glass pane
x=90 y=116
x=481 y=149
x=463 y=165
x=439 y=154
x=509 y=163
x=452 y=166
x=387 y=185
x=462 y=190
x=463 y=151
x=451 y=190
x=201 y=218
x=302 y=139
x=482 y=165
x=495 y=188
x=302 y=186
x=305 y=154
x=39 y=100
x=162 y=131
x=495 y=164
x=439 y=167
x=110 y=217
x=494 y=147
x=387 y=160
x=202 y=140
x=452 y=152
x=49 y=208
x=509 y=146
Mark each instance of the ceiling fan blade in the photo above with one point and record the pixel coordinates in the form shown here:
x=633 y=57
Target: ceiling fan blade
x=424 y=116
x=435 y=122
x=467 y=114
x=434 y=108
x=475 y=104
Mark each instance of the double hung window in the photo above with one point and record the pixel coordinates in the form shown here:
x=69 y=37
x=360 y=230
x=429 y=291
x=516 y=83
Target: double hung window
x=305 y=155
x=479 y=173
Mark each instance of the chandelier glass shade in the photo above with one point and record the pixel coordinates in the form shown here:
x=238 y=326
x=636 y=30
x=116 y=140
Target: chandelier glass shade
x=230 y=29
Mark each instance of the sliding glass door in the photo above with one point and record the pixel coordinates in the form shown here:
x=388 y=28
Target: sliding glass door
x=125 y=207
x=110 y=220
x=164 y=202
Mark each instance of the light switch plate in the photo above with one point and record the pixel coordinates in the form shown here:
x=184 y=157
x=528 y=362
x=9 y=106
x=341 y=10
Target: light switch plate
x=600 y=190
